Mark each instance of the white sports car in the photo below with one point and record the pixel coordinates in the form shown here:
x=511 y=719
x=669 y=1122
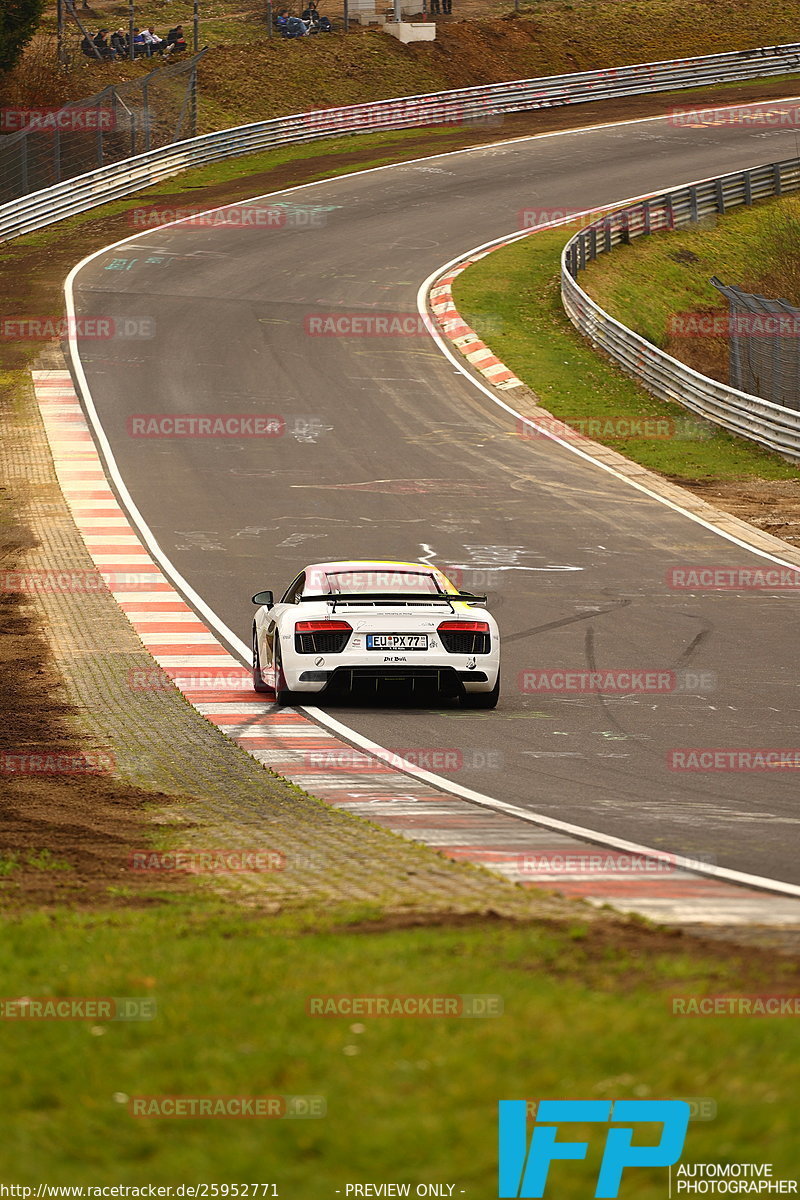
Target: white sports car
x=349 y=625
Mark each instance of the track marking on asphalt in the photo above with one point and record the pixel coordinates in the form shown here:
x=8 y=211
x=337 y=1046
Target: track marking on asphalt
x=592 y=837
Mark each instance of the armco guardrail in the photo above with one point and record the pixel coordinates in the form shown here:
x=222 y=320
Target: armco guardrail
x=770 y=424
x=51 y=204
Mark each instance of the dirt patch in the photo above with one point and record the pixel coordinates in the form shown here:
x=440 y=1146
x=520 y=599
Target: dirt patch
x=599 y=939
x=770 y=504
x=65 y=837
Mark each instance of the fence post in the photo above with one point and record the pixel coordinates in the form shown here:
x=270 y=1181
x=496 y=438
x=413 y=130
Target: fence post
x=693 y=208
x=56 y=155
x=720 y=194
x=193 y=100
x=146 y=112
x=98 y=111
x=62 y=57
x=777 y=182
x=269 y=17
x=748 y=187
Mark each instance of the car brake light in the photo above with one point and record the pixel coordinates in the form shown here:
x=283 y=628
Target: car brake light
x=322 y=627
x=464 y=627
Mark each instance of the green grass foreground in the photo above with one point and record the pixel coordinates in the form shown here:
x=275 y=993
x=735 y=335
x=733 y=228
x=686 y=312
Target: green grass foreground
x=517 y=289
x=587 y=1014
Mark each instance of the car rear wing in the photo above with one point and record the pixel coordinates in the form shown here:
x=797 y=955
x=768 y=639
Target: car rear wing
x=395 y=597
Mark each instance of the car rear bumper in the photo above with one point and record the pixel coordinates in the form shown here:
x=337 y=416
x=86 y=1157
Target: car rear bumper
x=447 y=680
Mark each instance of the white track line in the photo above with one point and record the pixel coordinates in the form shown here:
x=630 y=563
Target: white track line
x=243 y=651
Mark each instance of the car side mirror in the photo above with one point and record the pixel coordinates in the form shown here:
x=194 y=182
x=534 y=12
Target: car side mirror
x=265 y=598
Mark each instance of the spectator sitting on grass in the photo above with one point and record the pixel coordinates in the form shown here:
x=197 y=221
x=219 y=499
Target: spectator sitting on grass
x=316 y=23
x=102 y=45
x=290 y=27
x=119 y=43
x=140 y=44
x=176 y=42
x=157 y=45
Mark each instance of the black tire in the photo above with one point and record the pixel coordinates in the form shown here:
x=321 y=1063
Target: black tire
x=282 y=694
x=258 y=679
x=481 y=699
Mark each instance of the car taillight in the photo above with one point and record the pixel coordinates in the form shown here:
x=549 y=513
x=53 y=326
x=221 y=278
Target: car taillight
x=464 y=627
x=322 y=627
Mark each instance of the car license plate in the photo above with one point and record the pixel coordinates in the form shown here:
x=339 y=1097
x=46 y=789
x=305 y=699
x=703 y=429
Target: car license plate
x=397 y=641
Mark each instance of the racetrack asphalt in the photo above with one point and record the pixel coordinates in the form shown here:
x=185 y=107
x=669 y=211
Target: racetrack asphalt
x=389 y=452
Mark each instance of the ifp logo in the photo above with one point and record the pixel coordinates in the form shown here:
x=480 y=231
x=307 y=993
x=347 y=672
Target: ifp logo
x=524 y=1169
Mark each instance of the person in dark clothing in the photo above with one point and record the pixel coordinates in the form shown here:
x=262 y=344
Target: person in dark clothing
x=102 y=45
x=311 y=16
x=435 y=8
x=119 y=43
x=447 y=7
x=315 y=22
x=176 y=42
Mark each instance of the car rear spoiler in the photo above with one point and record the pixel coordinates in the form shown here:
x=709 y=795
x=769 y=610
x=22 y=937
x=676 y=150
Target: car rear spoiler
x=404 y=597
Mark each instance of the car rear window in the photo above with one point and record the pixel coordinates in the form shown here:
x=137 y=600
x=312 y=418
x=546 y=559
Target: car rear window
x=377 y=580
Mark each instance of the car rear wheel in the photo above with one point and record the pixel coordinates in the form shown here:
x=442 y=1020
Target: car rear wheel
x=258 y=679
x=481 y=699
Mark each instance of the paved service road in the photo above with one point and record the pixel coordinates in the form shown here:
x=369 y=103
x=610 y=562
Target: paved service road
x=409 y=460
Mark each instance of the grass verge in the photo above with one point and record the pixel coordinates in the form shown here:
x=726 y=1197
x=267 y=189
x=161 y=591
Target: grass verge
x=518 y=288
x=408 y=1100
x=647 y=283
